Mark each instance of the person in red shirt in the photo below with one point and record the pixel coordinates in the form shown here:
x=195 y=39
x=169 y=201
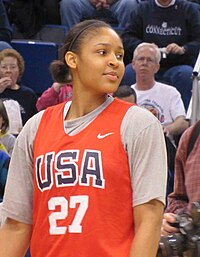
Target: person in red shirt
x=57 y=93
x=186 y=181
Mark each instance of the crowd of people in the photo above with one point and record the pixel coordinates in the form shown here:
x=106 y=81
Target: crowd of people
x=102 y=154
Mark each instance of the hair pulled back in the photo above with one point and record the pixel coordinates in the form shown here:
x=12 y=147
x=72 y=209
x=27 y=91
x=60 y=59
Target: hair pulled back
x=58 y=68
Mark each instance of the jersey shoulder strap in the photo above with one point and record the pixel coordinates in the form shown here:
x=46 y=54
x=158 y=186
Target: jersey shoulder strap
x=194 y=135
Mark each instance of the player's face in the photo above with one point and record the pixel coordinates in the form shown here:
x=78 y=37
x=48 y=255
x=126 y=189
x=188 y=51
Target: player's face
x=100 y=64
x=9 y=68
x=145 y=64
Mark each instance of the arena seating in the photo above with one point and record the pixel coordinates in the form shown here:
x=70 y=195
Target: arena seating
x=37 y=56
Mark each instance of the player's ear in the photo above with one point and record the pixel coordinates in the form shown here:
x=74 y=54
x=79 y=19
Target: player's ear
x=71 y=59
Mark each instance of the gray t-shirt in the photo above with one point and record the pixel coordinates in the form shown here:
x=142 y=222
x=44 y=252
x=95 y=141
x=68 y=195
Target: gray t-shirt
x=143 y=140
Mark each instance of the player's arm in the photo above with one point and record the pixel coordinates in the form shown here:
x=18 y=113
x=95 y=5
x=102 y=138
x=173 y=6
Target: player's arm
x=14 y=238
x=148 y=220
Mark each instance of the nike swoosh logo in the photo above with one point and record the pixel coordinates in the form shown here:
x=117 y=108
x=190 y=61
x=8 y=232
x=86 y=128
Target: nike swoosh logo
x=101 y=136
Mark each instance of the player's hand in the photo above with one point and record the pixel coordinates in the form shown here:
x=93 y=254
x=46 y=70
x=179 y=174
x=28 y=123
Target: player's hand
x=167 y=228
x=4 y=83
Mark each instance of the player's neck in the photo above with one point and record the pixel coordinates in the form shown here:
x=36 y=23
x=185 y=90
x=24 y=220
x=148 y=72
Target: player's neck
x=80 y=107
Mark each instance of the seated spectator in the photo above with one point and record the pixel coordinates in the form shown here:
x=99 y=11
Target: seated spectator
x=113 y=11
x=4 y=45
x=52 y=11
x=162 y=100
x=7 y=140
x=11 y=70
x=195 y=1
x=27 y=16
x=187 y=178
x=14 y=115
x=56 y=94
x=60 y=91
x=126 y=93
x=5 y=28
x=174 y=26
x=4 y=164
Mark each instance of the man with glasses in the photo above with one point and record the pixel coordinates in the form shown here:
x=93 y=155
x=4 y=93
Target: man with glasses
x=174 y=26
x=163 y=100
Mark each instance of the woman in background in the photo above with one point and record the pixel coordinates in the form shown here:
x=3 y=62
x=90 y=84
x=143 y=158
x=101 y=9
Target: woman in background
x=7 y=140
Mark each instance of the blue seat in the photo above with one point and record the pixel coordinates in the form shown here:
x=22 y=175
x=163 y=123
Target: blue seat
x=37 y=56
x=48 y=33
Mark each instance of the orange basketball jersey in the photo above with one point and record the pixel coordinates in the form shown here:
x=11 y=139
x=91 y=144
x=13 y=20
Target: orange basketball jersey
x=82 y=188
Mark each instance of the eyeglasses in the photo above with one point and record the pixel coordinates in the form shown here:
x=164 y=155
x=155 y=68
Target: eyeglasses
x=147 y=59
x=9 y=67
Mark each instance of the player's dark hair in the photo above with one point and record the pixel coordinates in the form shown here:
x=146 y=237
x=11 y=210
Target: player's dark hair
x=59 y=68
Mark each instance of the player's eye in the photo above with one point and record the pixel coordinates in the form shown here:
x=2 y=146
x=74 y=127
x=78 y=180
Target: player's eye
x=120 y=56
x=102 y=52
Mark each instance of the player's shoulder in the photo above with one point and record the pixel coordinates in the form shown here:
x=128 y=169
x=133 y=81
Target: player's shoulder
x=31 y=126
x=139 y=118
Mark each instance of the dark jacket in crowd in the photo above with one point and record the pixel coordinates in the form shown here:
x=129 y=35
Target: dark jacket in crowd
x=26 y=98
x=179 y=23
x=5 y=28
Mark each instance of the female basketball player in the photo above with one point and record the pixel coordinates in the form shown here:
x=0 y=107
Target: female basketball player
x=87 y=177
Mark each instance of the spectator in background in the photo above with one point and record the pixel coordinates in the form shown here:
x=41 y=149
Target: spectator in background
x=14 y=114
x=12 y=106
x=162 y=100
x=126 y=93
x=4 y=45
x=59 y=92
x=195 y=1
x=5 y=28
x=11 y=70
x=112 y=11
x=27 y=15
x=174 y=26
x=187 y=178
x=56 y=94
x=7 y=140
x=4 y=165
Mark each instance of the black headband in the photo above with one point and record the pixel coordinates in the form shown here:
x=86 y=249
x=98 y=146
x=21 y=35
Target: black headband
x=78 y=35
